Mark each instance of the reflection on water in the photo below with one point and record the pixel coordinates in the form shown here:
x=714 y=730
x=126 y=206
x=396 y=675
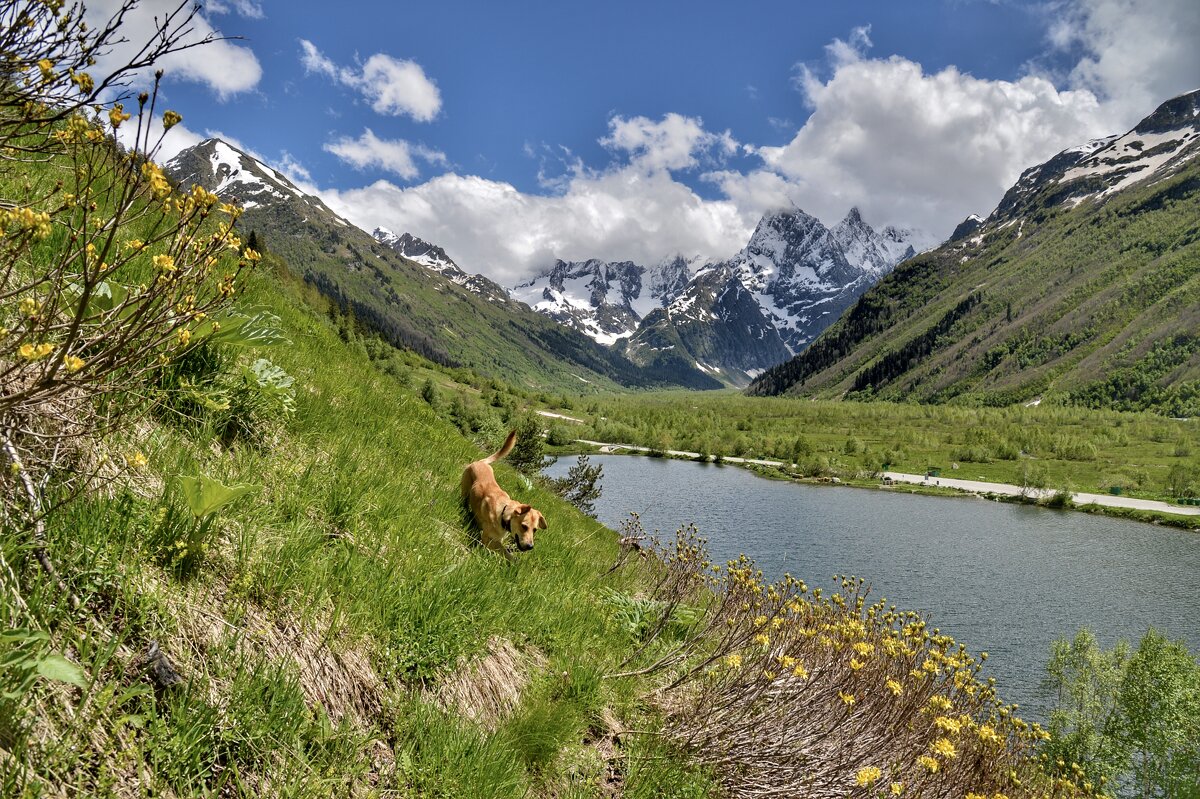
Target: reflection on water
x=1005 y=579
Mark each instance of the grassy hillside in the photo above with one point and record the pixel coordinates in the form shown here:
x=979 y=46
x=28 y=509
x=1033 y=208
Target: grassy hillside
x=1095 y=305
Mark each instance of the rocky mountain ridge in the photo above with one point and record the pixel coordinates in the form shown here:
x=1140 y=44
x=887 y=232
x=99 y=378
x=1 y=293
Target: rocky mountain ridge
x=793 y=278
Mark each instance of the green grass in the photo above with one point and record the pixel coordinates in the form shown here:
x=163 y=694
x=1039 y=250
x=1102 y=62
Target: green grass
x=330 y=606
x=1087 y=450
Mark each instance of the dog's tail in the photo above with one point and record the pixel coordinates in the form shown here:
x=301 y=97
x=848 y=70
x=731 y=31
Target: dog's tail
x=504 y=450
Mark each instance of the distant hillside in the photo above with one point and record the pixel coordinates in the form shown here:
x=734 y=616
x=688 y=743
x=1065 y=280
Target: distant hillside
x=432 y=308
x=1082 y=287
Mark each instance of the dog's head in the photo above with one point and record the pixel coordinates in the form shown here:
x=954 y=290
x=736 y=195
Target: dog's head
x=525 y=519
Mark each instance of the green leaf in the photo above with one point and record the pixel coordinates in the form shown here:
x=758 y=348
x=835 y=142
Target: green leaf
x=254 y=327
x=205 y=496
x=54 y=666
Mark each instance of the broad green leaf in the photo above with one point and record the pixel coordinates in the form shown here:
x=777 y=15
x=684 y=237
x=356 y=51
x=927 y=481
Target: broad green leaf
x=205 y=496
x=54 y=666
x=254 y=327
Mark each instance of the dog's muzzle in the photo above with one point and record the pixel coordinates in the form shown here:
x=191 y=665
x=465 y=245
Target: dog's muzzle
x=522 y=547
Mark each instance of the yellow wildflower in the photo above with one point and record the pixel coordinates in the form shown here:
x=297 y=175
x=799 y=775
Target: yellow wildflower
x=972 y=795
x=895 y=687
x=762 y=639
x=943 y=747
x=29 y=306
x=137 y=460
x=930 y=763
x=988 y=734
x=897 y=788
x=759 y=621
x=947 y=724
x=73 y=363
x=800 y=671
x=164 y=262
x=733 y=661
x=856 y=664
x=847 y=698
x=939 y=702
x=868 y=776
x=117 y=115
x=27 y=352
x=863 y=648
x=83 y=81
x=47 y=68
x=171 y=119
x=184 y=335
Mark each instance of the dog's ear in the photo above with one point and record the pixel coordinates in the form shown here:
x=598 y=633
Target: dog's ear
x=541 y=522
x=522 y=509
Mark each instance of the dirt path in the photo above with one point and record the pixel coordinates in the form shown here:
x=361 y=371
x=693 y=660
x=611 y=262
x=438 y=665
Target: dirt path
x=972 y=486
x=1079 y=498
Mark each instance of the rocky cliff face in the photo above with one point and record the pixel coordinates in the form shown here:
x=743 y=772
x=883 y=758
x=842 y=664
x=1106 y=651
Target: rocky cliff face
x=733 y=319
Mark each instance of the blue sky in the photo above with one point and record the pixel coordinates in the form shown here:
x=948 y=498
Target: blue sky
x=513 y=133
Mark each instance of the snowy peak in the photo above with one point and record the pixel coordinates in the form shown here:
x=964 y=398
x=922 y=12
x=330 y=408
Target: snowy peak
x=415 y=249
x=237 y=177
x=1155 y=149
x=605 y=300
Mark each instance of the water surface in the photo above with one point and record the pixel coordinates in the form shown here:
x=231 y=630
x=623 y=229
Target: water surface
x=1005 y=579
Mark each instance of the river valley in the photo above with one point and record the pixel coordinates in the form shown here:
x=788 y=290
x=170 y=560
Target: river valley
x=1005 y=579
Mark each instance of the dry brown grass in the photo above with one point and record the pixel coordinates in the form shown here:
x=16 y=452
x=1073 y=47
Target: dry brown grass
x=488 y=688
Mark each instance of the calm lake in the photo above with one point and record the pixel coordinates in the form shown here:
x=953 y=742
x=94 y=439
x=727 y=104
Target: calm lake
x=1005 y=579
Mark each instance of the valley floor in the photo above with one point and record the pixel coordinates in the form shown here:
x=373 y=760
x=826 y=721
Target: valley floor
x=970 y=486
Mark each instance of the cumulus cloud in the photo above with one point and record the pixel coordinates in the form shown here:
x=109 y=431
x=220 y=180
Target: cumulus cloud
x=176 y=140
x=674 y=142
x=908 y=146
x=491 y=227
x=392 y=155
x=917 y=148
x=392 y=86
x=1135 y=53
x=224 y=66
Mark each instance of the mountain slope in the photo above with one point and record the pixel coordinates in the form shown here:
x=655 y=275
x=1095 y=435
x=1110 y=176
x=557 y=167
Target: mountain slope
x=422 y=301
x=1082 y=286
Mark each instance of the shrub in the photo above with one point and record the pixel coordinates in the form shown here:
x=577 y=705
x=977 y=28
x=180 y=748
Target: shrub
x=581 y=487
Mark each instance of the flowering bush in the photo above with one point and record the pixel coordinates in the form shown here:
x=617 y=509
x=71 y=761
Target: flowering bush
x=787 y=691
x=106 y=273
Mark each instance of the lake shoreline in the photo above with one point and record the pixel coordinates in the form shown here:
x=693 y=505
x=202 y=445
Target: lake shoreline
x=775 y=470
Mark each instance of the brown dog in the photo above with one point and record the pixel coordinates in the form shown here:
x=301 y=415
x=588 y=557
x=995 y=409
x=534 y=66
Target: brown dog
x=496 y=512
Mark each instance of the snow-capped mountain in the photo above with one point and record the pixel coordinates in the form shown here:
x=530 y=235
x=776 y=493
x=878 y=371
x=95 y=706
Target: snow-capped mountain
x=434 y=258
x=732 y=319
x=605 y=300
x=1156 y=148
x=715 y=324
x=236 y=177
x=804 y=275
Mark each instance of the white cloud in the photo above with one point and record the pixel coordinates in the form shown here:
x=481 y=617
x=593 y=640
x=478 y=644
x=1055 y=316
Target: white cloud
x=246 y=8
x=392 y=155
x=393 y=87
x=491 y=227
x=675 y=142
x=1136 y=53
x=907 y=146
x=176 y=140
x=915 y=148
x=224 y=66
